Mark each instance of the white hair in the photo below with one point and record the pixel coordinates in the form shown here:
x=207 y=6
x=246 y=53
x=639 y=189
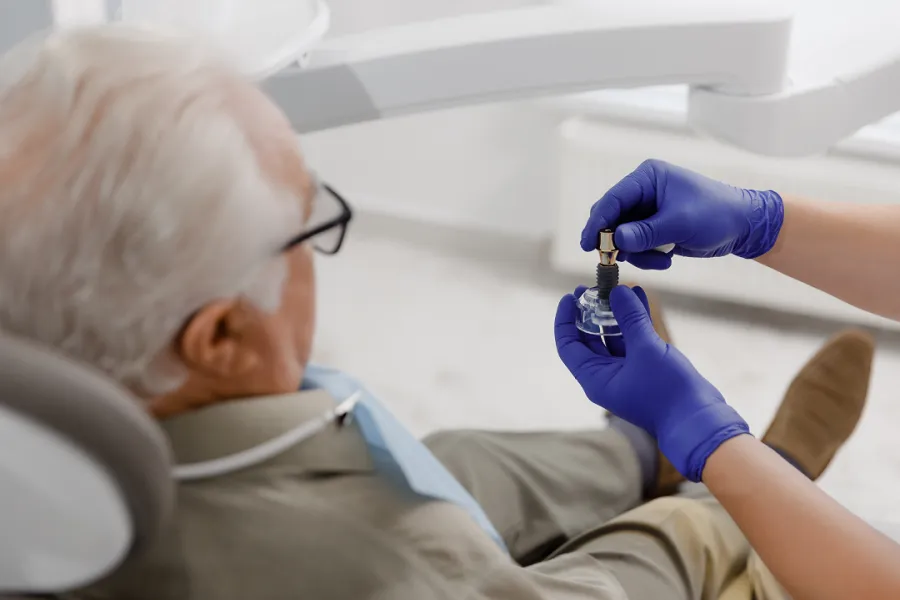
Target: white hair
x=132 y=192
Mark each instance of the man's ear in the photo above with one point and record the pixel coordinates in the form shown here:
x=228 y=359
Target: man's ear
x=215 y=341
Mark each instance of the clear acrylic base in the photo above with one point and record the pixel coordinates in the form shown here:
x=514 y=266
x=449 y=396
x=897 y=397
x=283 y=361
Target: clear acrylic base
x=595 y=316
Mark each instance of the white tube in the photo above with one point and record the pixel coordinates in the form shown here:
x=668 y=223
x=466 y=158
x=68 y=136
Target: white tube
x=267 y=450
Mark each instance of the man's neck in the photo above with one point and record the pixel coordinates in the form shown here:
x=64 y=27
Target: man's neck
x=191 y=396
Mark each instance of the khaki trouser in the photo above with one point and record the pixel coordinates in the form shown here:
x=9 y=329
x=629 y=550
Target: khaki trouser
x=550 y=494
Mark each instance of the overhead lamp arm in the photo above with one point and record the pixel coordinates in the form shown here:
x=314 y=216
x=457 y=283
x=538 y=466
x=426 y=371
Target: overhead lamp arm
x=546 y=50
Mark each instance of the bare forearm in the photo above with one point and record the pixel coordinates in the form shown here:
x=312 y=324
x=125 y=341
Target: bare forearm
x=816 y=548
x=850 y=251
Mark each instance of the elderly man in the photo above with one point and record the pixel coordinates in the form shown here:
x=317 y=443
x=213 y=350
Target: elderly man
x=158 y=223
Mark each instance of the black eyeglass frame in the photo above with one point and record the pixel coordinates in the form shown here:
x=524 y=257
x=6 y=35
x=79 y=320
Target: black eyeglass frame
x=342 y=220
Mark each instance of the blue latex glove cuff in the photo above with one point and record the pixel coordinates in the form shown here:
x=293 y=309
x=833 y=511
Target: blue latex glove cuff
x=765 y=218
x=700 y=435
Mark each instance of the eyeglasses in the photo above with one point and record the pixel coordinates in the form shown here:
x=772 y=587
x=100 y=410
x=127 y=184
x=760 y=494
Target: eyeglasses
x=327 y=224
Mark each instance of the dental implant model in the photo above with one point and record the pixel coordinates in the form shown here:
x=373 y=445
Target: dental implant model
x=594 y=315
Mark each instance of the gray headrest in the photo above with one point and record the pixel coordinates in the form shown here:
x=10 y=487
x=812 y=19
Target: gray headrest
x=102 y=419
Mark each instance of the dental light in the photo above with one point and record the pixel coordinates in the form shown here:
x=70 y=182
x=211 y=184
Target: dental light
x=96 y=483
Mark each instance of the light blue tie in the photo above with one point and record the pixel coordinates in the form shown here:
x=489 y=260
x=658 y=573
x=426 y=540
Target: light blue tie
x=395 y=452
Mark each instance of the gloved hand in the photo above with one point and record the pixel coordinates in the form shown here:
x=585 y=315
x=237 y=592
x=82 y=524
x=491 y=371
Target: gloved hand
x=659 y=204
x=652 y=386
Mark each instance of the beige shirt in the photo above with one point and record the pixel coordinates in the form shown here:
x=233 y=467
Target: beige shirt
x=318 y=522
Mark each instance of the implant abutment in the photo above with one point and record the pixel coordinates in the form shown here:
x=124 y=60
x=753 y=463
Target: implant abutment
x=607 y=268
x=594 y=314
x=606 y=246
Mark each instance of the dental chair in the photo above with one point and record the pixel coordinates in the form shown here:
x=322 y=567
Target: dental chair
x=85 y=475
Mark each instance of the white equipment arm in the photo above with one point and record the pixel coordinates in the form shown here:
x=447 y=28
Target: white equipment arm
x=739 y=48
x=755 y=83
x=843 y=75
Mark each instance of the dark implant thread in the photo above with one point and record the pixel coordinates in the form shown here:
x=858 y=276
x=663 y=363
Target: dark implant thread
x=607 y=279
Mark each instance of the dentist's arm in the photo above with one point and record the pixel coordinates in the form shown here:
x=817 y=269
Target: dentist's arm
x=849 y=251
x=816 y=548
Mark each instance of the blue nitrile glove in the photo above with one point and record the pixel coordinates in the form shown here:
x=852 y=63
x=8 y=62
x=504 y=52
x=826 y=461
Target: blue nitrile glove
x=652 y=386
x=659 y=204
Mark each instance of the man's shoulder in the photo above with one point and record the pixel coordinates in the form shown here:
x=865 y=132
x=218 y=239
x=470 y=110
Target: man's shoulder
x=332 y=537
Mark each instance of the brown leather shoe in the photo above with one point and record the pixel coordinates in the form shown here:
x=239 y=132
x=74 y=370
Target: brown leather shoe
x=667 y=477
x=824 y=402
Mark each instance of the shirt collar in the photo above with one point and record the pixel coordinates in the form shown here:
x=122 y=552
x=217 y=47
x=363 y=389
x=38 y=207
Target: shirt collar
x=238 y=425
